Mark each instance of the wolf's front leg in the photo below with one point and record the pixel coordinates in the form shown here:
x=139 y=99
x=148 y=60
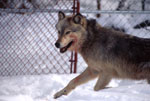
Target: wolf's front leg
x=87 y=75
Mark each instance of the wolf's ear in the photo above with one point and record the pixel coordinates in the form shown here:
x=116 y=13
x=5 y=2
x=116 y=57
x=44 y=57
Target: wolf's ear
x=78 y=18
x=61 y=15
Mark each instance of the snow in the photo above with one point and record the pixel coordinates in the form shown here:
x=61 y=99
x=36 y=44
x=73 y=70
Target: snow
x=27 y=44
x=43 y=87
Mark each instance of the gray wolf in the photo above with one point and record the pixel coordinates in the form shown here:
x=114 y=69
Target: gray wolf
x=108 y=53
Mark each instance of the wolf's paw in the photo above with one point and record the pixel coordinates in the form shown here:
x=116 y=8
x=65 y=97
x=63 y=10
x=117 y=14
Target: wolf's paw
x=96 y=88
x=100 y=88
x=60 y=93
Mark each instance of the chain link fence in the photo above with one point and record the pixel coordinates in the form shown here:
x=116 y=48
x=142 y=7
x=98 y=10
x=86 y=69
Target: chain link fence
x=28 y=34
x=27 y=37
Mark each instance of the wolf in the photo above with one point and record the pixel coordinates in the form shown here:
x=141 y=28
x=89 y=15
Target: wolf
x=108 y=53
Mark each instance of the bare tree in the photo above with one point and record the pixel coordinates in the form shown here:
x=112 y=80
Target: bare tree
x=143 y=4
x=121 y=4
x=143 y=24
x=98 y=7
x=3 y=3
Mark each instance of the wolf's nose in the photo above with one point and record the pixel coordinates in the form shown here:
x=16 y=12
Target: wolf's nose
x=57 y=44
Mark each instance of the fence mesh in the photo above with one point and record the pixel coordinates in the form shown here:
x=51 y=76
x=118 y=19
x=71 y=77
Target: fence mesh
x=28 y=34
x=27 y=39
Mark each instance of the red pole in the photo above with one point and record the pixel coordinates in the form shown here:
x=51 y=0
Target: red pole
x=71 y=60
x=74 y=55
x=78 y=6
x=75 y=62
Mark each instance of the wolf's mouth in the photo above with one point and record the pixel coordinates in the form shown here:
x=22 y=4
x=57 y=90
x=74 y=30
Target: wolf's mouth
x=64 y=49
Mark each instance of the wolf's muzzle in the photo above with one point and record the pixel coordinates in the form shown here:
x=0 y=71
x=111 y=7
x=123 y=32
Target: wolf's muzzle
x=57 y=45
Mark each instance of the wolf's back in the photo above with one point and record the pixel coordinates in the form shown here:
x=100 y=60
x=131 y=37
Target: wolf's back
x=140 y=47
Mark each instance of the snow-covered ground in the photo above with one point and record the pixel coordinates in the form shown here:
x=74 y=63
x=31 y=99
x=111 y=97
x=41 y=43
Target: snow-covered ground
x=43 y=87
x=27 y=44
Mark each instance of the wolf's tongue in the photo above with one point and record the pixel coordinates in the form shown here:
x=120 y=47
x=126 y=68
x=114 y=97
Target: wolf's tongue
x=62 y=50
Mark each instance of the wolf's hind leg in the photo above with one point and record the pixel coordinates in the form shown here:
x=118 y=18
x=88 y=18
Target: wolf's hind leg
x=102 y=81
x=87 y=75
x=148 y=81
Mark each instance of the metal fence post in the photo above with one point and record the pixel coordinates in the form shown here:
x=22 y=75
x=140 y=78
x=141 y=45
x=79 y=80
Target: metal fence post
x=74 y=55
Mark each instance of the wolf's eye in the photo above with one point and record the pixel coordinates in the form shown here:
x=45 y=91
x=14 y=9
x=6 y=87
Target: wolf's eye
x=58 y=32
x=68 y=32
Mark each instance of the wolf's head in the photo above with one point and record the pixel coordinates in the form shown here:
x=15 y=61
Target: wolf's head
x=71 y=32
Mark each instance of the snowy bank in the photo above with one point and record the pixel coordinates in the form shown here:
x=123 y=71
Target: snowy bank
x=42 y=88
